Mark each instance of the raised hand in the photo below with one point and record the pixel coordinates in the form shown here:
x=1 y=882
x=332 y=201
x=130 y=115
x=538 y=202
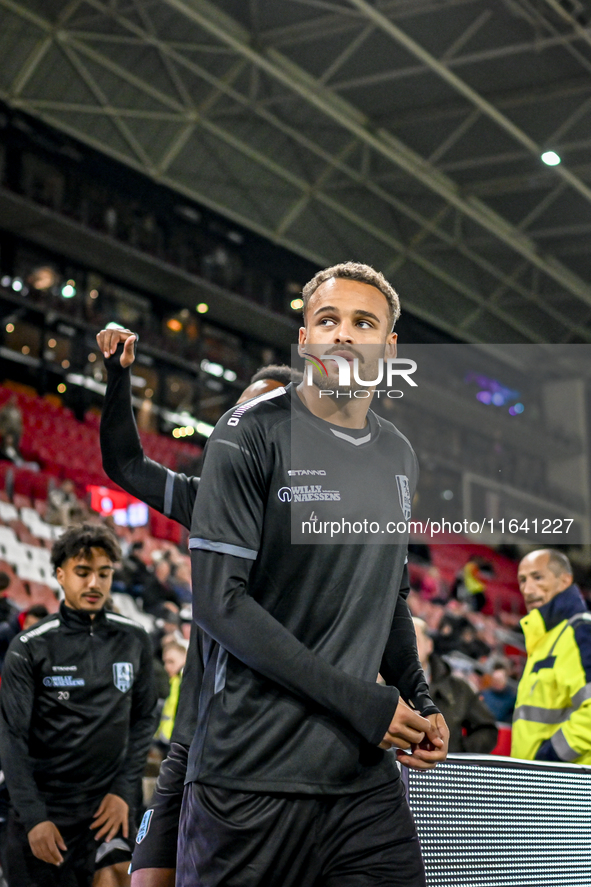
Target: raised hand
x=108 y=340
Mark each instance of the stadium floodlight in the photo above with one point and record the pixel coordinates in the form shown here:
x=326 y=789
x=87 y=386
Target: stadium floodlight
x=551 y=158
x=69 y=290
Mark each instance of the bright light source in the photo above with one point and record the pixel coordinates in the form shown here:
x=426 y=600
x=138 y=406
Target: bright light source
x=190 y=430
x=25 y=349
x=17 y=284
x=175 y=432
x=148 y=392
x=92 y=357
x=5 y=281
x=516 y=409
x=204 y=429
x=68 y=291
x=61 y=388
x=94 y=294
x=66 y=364
x=214 y=369
x=174 y=325
x=297 y=304
x=43 y=278
x=229 y=375
x=551 y=158
x=202 y=308
x=51 y=343
x=9 y=327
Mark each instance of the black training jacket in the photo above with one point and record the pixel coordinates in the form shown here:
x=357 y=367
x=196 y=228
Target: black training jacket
x=301 y=620
x=77 y=714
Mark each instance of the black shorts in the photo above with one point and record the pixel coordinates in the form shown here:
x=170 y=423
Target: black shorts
x=246 y=839
x=25 y=870
x=155 y=844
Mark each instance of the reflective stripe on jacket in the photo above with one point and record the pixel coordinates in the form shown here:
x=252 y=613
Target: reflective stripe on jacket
x=554 y=694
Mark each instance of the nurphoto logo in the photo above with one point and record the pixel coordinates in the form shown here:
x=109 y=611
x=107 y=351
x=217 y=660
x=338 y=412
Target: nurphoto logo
x=388 y=369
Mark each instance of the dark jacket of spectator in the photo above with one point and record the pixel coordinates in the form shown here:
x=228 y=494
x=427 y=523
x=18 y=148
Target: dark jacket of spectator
x=472 y=727
x=456 y=633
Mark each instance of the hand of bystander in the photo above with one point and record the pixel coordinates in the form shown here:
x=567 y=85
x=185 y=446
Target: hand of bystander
x=46 y=842
x=112 y=815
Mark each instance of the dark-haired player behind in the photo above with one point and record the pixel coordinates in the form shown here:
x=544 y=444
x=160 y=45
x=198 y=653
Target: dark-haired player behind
x=77 y=714
x=173 y=494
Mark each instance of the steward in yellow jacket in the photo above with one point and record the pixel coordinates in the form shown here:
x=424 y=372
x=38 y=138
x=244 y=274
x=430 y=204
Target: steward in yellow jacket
x=552 y=720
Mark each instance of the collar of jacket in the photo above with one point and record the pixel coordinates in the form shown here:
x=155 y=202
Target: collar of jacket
x=80 y=619
x=543 y=619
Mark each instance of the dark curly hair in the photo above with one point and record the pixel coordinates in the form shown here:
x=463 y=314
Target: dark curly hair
x=79 y=540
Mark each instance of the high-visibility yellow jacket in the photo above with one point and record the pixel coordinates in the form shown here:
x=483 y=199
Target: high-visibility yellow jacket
x=166 y=726
x=554 y=694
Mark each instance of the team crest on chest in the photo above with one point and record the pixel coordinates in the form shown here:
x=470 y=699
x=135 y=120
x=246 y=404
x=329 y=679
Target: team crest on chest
x=404 y=495
x=123 y=675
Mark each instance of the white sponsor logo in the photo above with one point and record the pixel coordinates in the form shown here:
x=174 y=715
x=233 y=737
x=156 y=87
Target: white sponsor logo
x=308 y=493
x=298 y=472
x=63 y=680
x=64 y=668
x=123 y=675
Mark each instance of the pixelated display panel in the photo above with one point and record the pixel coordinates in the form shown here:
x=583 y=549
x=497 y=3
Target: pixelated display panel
x=503 y=825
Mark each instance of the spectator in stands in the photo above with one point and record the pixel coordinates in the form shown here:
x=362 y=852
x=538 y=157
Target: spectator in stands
x=6 y=607
x=77 y=714
x=34 y=615
x=174 y=656
x=457 y=634
x=63 y=505
x=552 y=719
x=9 y=451
x=471 y=585
x=471 y=725
x=11 y=423
x=470 y=644
x=499 y=696
x=180 y=581
x=148 y=580
x=18 y=622
x=448 y=634
x=432 y=588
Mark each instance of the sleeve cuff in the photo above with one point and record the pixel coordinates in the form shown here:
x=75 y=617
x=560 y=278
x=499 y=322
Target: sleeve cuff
x=547 y=752
x=121 y=788
x=423 y=703
x=35 y=814
x=381 y=713
x=430 y=709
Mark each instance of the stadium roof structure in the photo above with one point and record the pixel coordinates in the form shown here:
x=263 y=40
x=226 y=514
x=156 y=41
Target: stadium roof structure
x=404 y=133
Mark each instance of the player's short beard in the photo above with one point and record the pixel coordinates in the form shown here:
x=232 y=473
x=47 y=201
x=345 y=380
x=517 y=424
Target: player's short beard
x=367 y=368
